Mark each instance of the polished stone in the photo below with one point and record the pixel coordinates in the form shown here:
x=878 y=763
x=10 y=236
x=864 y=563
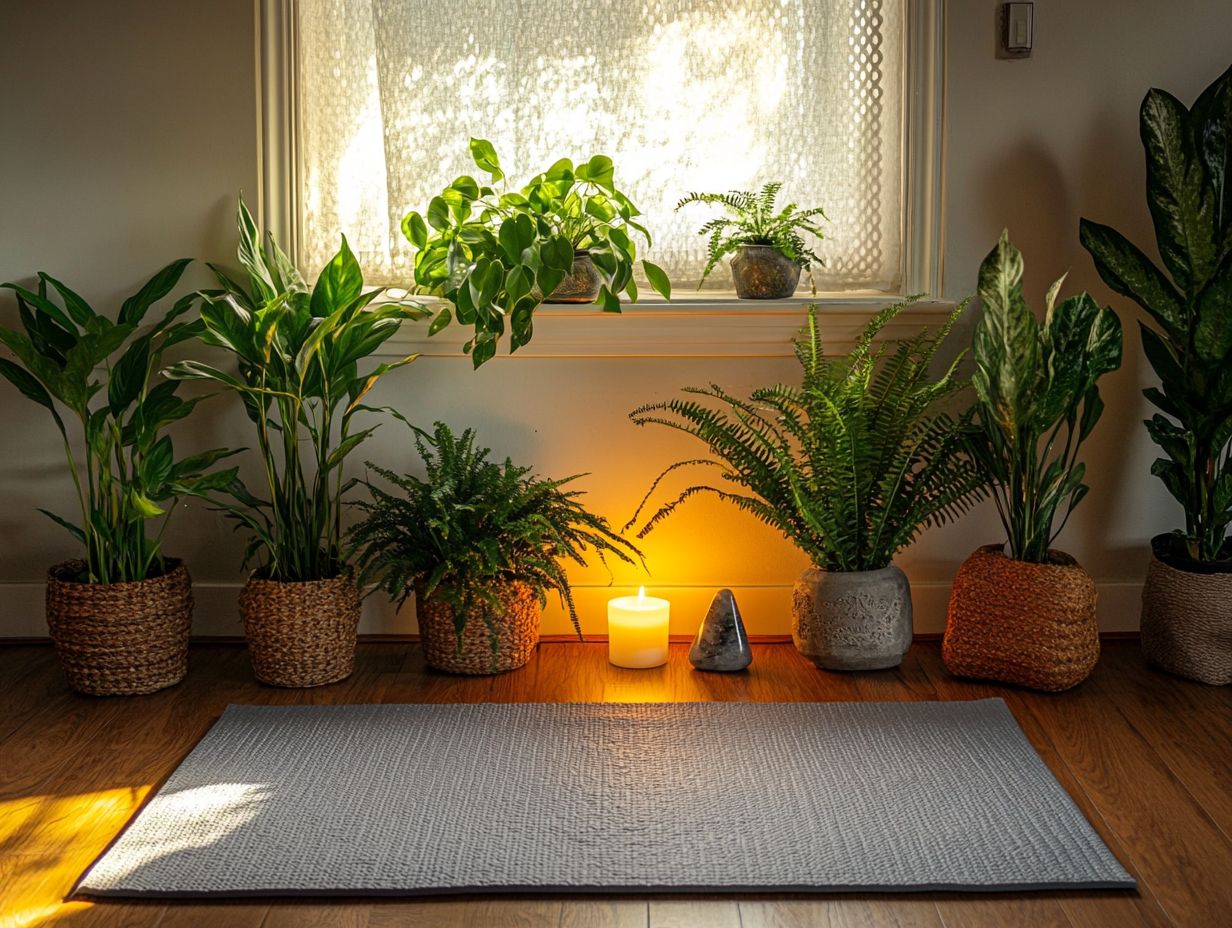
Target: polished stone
x=721 y=642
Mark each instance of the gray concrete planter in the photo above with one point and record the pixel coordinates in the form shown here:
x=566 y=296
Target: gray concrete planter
x=860 y=620
x=761 y=272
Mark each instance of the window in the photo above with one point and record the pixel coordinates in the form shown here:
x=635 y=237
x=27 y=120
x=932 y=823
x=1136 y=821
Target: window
x=685 y=95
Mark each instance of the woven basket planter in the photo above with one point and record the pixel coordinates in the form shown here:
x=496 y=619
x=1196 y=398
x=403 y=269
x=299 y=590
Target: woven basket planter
x=1187 y=622
x=857 y=620
x=301 y=633
x=517 y=633
x=120 y=639
x=1016 y=622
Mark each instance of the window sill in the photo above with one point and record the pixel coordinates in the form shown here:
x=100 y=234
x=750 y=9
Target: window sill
x=696 y=326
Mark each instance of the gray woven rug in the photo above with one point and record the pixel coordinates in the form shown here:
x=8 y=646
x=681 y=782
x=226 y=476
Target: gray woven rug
x=367 y=800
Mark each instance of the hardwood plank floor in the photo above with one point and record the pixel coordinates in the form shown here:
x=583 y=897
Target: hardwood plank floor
x=1147 y=757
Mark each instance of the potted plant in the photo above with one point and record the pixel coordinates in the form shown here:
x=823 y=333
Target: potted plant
x=120 y=614
x=1027 y=615
x=480 y=544
x=848 y=466
x=768 y=247
x=1186 y=612
x=567 y=236
x=298 y=350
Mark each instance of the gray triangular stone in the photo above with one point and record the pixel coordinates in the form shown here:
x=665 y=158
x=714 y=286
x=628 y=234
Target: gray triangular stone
x=721 y=642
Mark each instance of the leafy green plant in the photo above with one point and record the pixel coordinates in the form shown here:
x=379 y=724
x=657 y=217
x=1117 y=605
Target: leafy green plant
x=473 y=526
x=496 y=255
x=849 y=465
x=67 y=356
x=752 y=220
x=298 y=350
x=1038 y=398
x=1189 y=192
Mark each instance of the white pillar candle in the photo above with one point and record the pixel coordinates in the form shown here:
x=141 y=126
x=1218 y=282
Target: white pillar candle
x=637 y=630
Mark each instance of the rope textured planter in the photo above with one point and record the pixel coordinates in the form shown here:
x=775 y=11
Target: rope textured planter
x=120 y=639
x=301 y=633
x=1187 y=622
x=1017 y=622
x=517 y=633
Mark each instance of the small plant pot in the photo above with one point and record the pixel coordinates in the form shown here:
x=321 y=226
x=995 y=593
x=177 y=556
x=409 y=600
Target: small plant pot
x=857 y=620
x=761 y=272
x=301 y=634
x=516 y=633
x=1187 y=618
x=581 y=285
x=1032 y=625
x=120 y=639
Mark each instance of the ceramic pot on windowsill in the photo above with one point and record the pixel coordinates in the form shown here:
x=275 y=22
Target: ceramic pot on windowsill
x=762 y=272
x=852 y=620
x=582 y=283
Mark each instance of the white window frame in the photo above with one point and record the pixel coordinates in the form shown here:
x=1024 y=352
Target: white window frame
x=707 y=324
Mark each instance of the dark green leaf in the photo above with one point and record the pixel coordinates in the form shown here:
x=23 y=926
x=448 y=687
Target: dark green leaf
x=135 y=307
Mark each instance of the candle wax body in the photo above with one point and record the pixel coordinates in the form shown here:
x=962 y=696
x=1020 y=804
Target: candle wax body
x=637 y=631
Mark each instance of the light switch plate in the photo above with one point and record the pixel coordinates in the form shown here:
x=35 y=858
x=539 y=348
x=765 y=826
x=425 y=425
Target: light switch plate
x=1017 y=36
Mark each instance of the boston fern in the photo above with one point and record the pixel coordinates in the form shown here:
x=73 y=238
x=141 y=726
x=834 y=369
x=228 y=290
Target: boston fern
x=1189 y=344
x=849 y=465
x=752 y=220
x=67 y=356
x=298 y=350
x=473 y=526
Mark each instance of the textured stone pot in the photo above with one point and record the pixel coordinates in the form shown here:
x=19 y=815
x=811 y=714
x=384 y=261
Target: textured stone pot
x=301 y=633
x=582 y=283
x=120 y=639
x=857 y=620
x=1187 y=619
x=761 y=272
x=516 y=630
x=1018 y=622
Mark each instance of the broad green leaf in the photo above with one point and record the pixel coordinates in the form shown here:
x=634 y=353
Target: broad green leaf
x=135 y=307
x=415 y=230
x=557 y=253
x=77 y=308
x=74 y=530
x=658 y=279
x=485 y=157
x=143 y=506
x=1130 y=273
x=608 y=300
x=443 y=318
x=1213 y=333
x=128 y=376
x=438 y=213
x=339 y=283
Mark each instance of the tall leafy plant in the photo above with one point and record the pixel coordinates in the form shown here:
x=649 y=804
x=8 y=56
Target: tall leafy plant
x=1189 y=343
x=495 y=255
x=851 y=464
x=298 y=350
x=81 y=366
x=751 y=219
x=472 y=526
x=1038 y=398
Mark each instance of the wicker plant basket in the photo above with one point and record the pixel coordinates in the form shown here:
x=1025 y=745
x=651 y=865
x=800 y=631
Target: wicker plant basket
x=517 y=633
x=1187 y=622
x=1017 y=622
x=301 y=633
x=120 y=639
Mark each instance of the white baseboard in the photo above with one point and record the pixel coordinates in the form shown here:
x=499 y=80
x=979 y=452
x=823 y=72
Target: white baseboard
x=766 y=609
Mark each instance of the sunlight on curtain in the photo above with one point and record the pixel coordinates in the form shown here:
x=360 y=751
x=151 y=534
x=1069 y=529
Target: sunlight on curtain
x=684 y=95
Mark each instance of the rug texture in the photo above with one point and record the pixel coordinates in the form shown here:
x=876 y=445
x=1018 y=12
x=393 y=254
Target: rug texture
x=368 y=800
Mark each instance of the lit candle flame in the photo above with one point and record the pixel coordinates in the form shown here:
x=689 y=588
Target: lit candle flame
x=641 y=594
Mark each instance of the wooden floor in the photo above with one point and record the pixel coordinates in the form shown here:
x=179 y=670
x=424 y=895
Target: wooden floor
x=1147 y=757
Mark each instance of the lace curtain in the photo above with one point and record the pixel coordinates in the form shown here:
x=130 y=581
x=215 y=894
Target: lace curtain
x=706 y=95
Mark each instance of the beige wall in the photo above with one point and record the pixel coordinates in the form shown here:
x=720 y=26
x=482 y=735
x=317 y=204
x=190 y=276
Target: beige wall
x=131 y=127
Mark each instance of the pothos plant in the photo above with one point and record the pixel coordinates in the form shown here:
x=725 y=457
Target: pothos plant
x=752 y=220
x=298 y=350
x=497 y=255
x=73 y=359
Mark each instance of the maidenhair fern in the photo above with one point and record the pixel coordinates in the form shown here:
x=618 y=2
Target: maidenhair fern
x=752 y=220
x=472 y=526
x=851 y=464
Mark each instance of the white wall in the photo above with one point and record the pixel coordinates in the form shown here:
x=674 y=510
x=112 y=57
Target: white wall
x=131 y=127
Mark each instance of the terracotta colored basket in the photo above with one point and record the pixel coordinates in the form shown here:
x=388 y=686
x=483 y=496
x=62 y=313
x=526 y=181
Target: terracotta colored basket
x=120 y=639
x=1017 y=622
x=517 y=633
x=1187 y=622
x=301 y=633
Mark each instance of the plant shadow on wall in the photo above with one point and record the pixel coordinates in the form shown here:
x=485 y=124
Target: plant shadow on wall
x=298 y=349
x=1188 y=344
x=567 y=236
x=479 y=544
x=850 y=465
